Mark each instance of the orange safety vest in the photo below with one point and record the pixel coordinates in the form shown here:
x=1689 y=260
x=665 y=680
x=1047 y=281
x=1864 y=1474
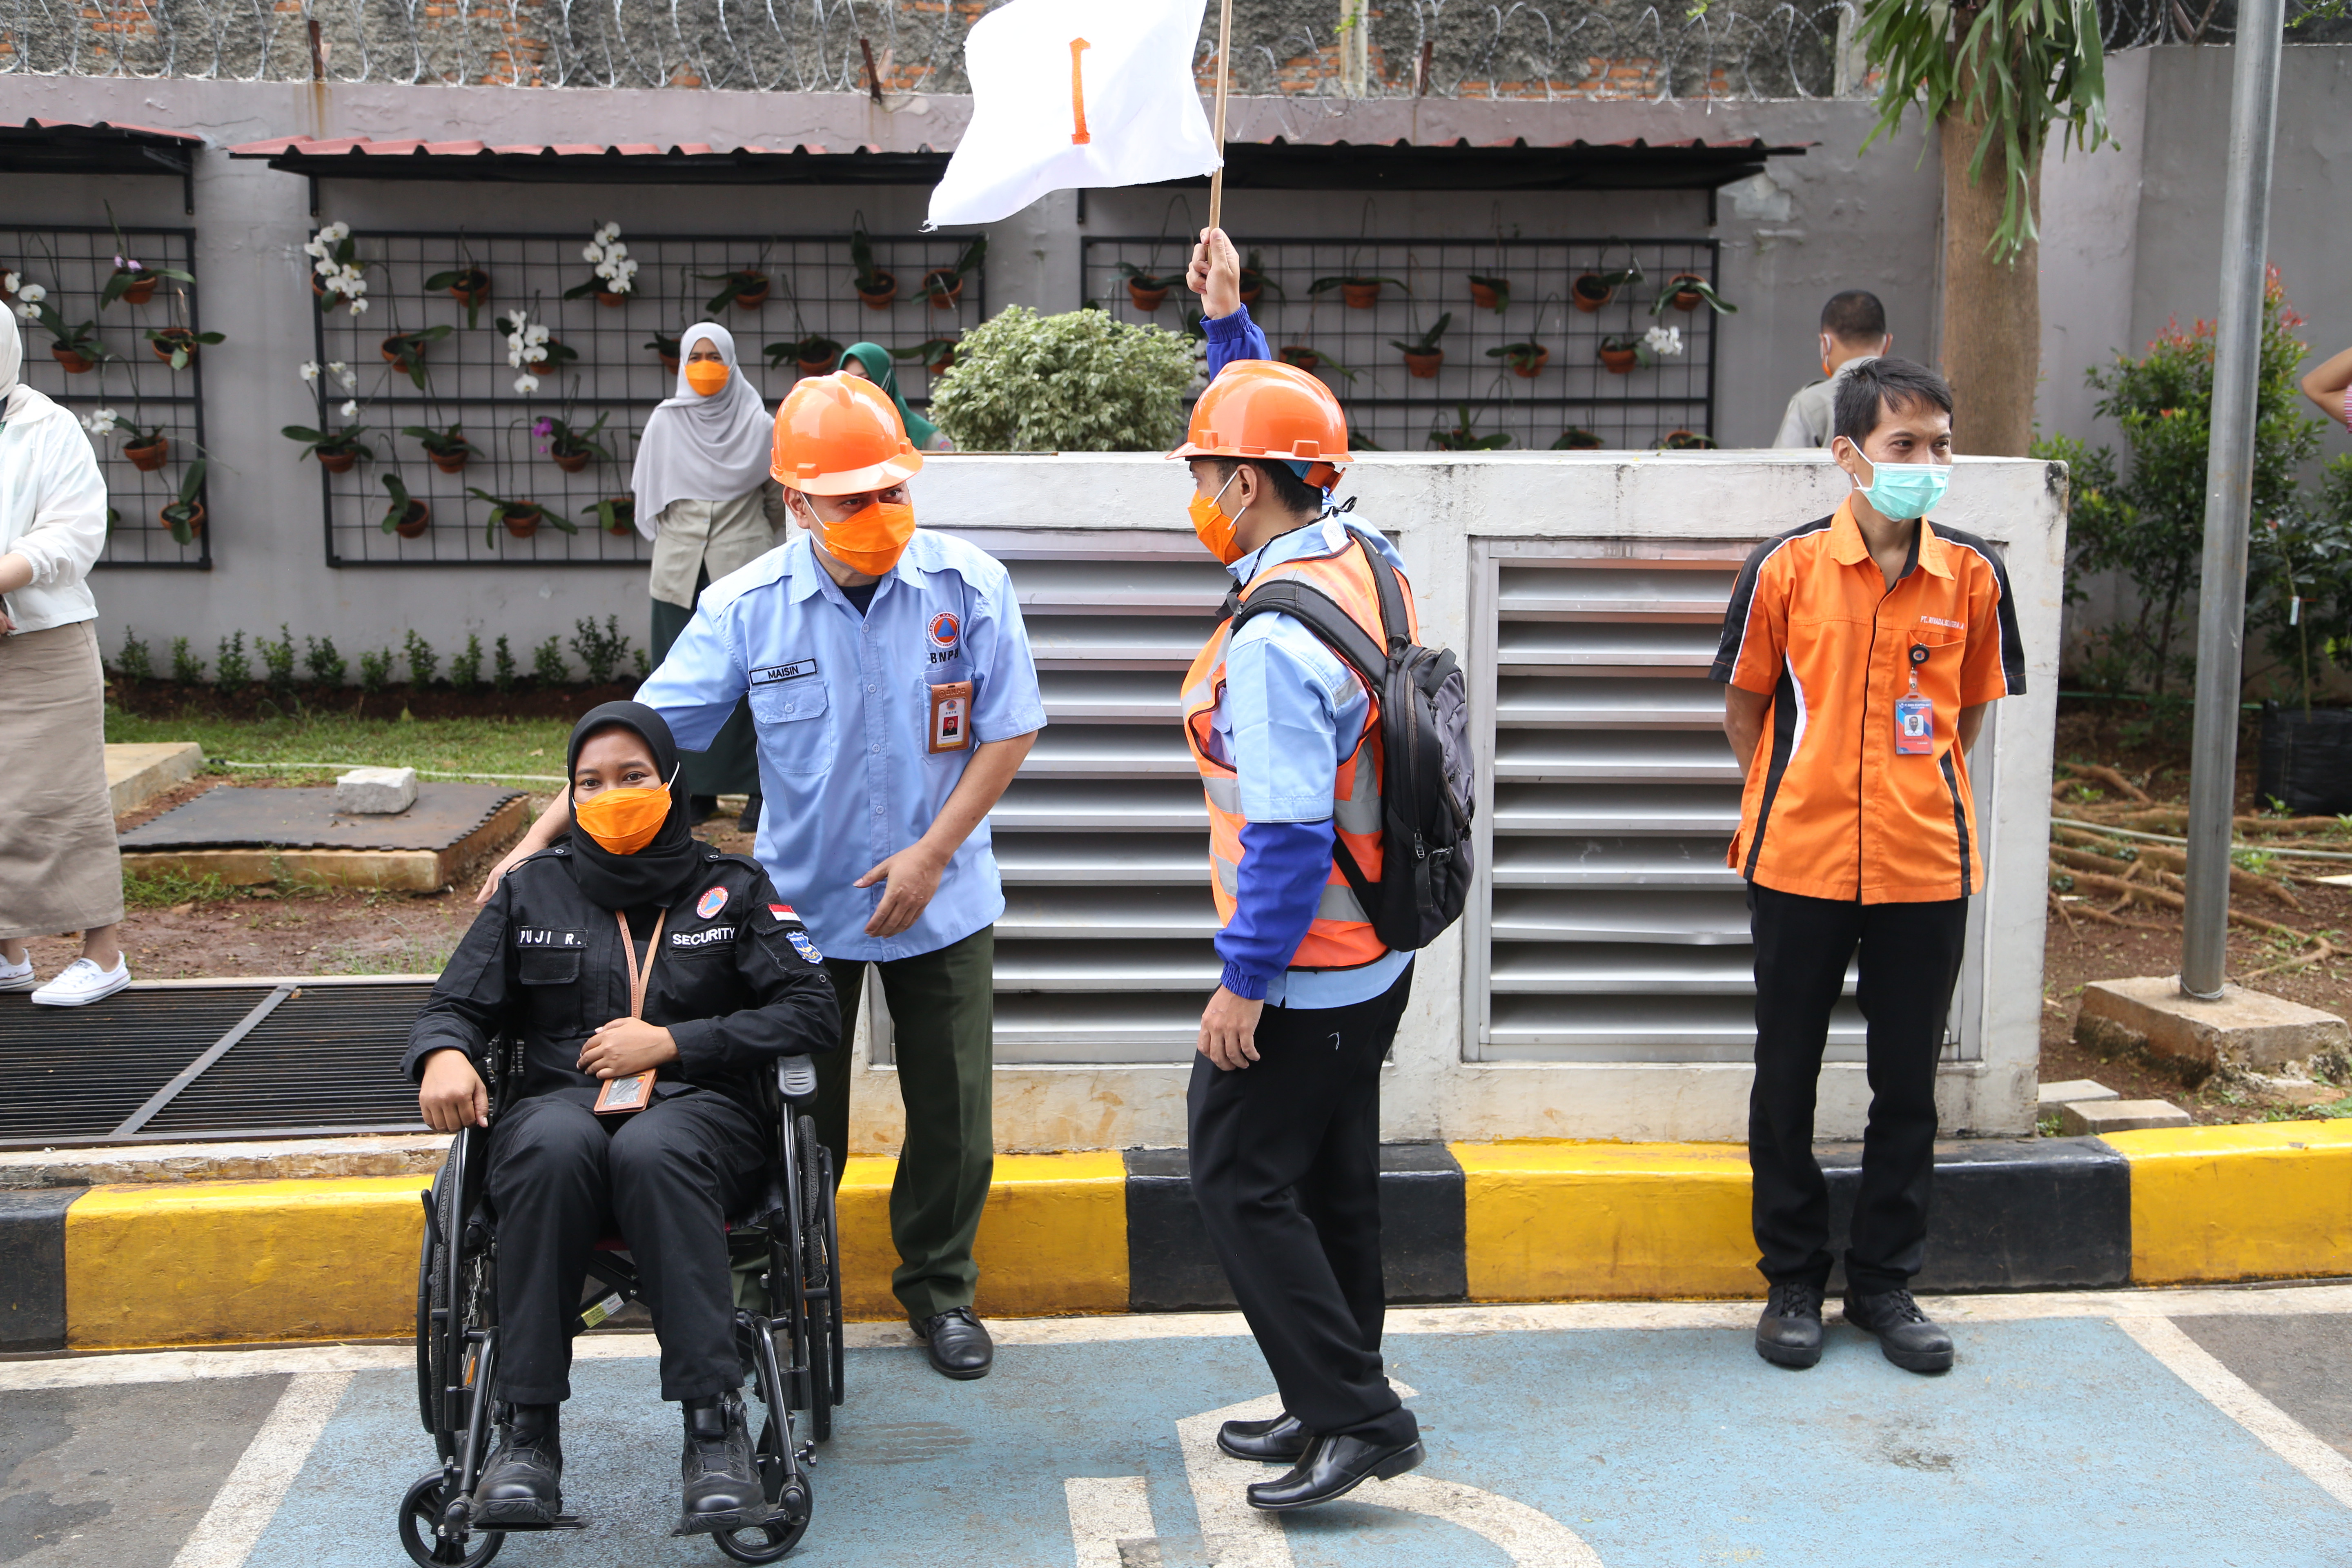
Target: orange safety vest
x=1339 y=937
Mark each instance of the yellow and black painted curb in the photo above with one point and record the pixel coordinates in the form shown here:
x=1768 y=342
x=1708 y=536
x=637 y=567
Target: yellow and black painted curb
x=232 y=1262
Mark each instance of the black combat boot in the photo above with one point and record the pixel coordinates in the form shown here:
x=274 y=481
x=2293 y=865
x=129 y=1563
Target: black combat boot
x=523 y=1484
x=722 y=1484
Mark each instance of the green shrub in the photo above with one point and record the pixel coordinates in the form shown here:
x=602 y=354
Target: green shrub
x=277 y=658
x=604 y=652
x=546 y=666
x=135 y=662
x=376 y=670
x=186 y=668
x=1075 y=383
x=326 y=666
x=234 y=670
x=422 y=660
x=466 y=668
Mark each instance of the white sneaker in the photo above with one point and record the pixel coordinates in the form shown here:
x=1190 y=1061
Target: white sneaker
x=83 y=983
x=18 y=976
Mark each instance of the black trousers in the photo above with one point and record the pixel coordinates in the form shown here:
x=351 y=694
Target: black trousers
x=1285 y=1157
x=1910 y=959
x=562 y=1178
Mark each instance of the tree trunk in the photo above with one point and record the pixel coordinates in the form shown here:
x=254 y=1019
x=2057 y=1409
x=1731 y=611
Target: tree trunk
x=1992 y=309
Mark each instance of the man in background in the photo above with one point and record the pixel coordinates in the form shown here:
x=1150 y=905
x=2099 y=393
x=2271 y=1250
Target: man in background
x=1853 y=333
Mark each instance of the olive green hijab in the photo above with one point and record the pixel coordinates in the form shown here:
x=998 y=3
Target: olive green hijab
x=877 y=361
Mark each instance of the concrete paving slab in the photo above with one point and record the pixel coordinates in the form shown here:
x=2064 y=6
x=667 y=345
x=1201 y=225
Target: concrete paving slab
x=139 y=771
x=2240 y=1028
x=2072 y=1091
x=2094 y=1118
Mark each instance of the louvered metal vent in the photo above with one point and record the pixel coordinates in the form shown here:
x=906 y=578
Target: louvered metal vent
x=1612 y=929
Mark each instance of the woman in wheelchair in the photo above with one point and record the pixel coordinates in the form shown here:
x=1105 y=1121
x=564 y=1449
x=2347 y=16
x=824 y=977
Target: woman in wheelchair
x=651 y=981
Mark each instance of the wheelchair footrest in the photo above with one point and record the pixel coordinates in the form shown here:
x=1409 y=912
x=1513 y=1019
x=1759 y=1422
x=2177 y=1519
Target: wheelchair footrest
x=738 y=1518
x=560 y=1521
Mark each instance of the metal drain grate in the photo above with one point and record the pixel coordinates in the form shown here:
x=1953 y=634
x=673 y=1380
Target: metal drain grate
x=76 y=1073
x=327 y=1058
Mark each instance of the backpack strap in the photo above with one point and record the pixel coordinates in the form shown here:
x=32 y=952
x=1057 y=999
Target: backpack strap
x=1395 y=625
x=1319 y=614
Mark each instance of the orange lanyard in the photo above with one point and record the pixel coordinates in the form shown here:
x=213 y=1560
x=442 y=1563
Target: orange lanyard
x=639 y=974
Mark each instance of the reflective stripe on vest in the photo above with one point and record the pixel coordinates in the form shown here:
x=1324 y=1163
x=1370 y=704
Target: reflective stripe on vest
x=1339 y=937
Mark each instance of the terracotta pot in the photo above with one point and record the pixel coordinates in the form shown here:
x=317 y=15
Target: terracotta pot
x=165 y=344
x=610 y=300
x=818 y=366
x=751 y=300
x=1145 y=299
x=1250 y=294
x=1425 y=366
x=75 y=363
x=1581 y=441
x=418 y=518
x=1528 y=368
x=451 y=462
x=196 y=518
x=623 y=524
x=947 y=363
x=1685 y=441
x=943 y=299
x=318 y=289
x=147 y=455
x=669 y=363
x=339 y=462
x=1301 y=356
x=1684 y=299
x=471 y=294
x=573 y=462
x=139 y=293
x=521 y=522
x=1620 y=361
x=1361 y=296
x=1482 y=295
x=880 y=298
x=399 y=352
x=1599 y=294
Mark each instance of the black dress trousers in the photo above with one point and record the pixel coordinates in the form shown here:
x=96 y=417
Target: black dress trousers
x=1910 y=961
x=1286 y=1170
x=665 y=1178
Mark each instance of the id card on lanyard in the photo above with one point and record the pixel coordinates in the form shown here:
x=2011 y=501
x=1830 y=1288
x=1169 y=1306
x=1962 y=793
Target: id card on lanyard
x=620 y=1096
x=950 y=726
x=1914 y=715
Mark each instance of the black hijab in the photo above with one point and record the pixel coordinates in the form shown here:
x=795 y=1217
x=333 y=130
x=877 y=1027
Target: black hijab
x=660 y=873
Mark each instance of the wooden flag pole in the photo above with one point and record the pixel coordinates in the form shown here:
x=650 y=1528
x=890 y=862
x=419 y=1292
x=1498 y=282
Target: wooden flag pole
x=1224 y=53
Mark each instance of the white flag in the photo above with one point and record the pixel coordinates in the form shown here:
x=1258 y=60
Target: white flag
x=1072 y=94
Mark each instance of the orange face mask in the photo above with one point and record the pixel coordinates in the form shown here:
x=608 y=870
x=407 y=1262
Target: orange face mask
x=1213 y=527
x=706 y=375
x=623 y=820
x=870 y=539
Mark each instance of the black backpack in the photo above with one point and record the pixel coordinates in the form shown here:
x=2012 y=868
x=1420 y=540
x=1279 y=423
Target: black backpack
x=1427 y=783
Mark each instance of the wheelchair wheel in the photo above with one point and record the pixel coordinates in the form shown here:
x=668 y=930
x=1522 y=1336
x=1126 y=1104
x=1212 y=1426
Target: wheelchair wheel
x=817 y=1273
x=420 y=1514
x=768 y=1542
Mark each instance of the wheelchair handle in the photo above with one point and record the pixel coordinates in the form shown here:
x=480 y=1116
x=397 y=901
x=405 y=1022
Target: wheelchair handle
x=795 y=1078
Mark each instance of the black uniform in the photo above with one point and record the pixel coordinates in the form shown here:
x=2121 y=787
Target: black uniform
x=737 y=984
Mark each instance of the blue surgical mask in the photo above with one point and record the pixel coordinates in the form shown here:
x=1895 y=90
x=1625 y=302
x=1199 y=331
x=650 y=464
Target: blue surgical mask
x=1901 y=491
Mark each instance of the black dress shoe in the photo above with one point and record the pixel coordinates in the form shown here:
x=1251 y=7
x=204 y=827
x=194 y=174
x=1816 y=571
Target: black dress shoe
x=1789 y=1331
x=1331 y=1467
x=522 y=1486
x=959 y=1347
x=750 y=821
x=1279 y=1441
x=722 y=1484
x=1906 y=1336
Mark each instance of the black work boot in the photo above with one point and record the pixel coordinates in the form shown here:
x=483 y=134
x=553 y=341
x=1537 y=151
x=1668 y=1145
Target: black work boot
x=722 y=1484
x=1789 y=1331
x=1906 y=1336
x=523 y=1484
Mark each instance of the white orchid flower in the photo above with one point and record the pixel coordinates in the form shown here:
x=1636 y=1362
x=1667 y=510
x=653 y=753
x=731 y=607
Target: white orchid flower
x=9 y=280
x=592 y=253
x=32 y=294
x=310 y=370
x=100 y=421
x=358 y=306
x=526 y=384
x=351 y=407
x=1664 y=341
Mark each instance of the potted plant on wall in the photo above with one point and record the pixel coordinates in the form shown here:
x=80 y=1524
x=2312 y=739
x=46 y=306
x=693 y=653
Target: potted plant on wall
x=1577 y=438
x=745 y=288
x=666 y=345
x=1361 y=291
x=572 y=448
x=1490 y=293
x=943 y=286
x=337 y=272
x=1306 y=357
x=448 y=448
x=1254 y=282
x=336 y=450
x=131 y=281
x=1464 y=437
x=518 y=517
x=176 y=346
x=532 y=350
x=77 y=346
x=1524 y=360
x=408 y=516
x=812 y=355
x=1687 y=291
x=405 y=352
x=616 y=276
x=1421 y=354
x=1594 y=290
x=1147 y=291
x=1686 y=441
x=148 y=448
x=466 y=282
x=617 y=515
x=934 y=355
x=876 y=287
x=184 y=515
x=1620 y=352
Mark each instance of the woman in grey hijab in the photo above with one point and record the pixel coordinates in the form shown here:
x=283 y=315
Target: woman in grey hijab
x=704 y=499
x=59 y=869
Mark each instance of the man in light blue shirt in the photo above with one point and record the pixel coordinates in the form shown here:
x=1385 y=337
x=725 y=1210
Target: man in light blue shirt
x=893 y=698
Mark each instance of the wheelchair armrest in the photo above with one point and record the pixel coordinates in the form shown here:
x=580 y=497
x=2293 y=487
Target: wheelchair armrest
x=797 y=1077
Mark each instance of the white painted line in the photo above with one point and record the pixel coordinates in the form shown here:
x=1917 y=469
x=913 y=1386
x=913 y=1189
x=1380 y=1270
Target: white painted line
x=1104 y=1512
x=2280 y=1432
x=1532 y=1538
x=1234 y=1534
x=183 y=1366
x=248 y=1499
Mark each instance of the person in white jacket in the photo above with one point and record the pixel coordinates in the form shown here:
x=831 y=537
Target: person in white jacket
x=59 y=869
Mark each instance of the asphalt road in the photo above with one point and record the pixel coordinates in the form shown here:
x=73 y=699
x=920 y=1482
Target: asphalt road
x=2207 y=1429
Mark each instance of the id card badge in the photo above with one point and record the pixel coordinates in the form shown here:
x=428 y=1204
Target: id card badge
x=950 y=729
x=1914 y=726
x=622 y=1095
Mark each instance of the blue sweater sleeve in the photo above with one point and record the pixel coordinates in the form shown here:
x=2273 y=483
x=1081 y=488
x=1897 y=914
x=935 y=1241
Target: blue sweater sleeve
x=1234 y=337
x=1284 y=868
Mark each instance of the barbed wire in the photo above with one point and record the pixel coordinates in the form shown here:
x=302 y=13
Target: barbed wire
x=1542 y=49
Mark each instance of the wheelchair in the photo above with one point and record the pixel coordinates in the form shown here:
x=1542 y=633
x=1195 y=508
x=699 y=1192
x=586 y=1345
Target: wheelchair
x=784 y=1259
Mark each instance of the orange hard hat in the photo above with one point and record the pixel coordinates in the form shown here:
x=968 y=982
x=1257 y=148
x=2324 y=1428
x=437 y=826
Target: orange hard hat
x=840 y=435
x=1264 y=408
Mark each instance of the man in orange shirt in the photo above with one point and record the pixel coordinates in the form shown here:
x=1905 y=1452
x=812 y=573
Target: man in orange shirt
x=1860 y=652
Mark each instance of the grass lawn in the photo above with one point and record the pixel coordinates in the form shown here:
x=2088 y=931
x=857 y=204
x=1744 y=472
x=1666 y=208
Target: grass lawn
x=528 y=751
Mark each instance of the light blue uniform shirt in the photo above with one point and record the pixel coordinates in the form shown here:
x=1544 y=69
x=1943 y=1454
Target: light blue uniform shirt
x=1291 y=712
x=841 y=710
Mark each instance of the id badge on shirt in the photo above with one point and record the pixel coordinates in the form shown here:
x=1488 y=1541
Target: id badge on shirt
x=1914 y=726
x=950 y=727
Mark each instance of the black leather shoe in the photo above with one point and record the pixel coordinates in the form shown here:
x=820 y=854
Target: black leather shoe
x=1331 y=1467
x=750 y=821
x=522 y=1486
x=1789 y=1331
x=701 y=808
x=1279 y=1441
x=722 y=1485
x=960 y=1348
x=1906 y=1336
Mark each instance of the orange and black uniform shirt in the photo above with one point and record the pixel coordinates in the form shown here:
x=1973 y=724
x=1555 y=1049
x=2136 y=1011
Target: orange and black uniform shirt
x=1831 y=810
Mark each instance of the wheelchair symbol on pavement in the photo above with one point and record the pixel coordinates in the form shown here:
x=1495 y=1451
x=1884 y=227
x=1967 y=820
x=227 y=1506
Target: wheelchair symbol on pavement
x=1107 y=1511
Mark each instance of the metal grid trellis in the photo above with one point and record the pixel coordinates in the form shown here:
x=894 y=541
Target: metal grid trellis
x=1398 y=410
x=617 y=373
x=145 y=392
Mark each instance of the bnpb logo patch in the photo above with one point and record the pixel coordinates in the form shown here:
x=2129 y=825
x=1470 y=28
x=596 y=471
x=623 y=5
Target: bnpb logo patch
x=945 y=629
x=711 y=902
